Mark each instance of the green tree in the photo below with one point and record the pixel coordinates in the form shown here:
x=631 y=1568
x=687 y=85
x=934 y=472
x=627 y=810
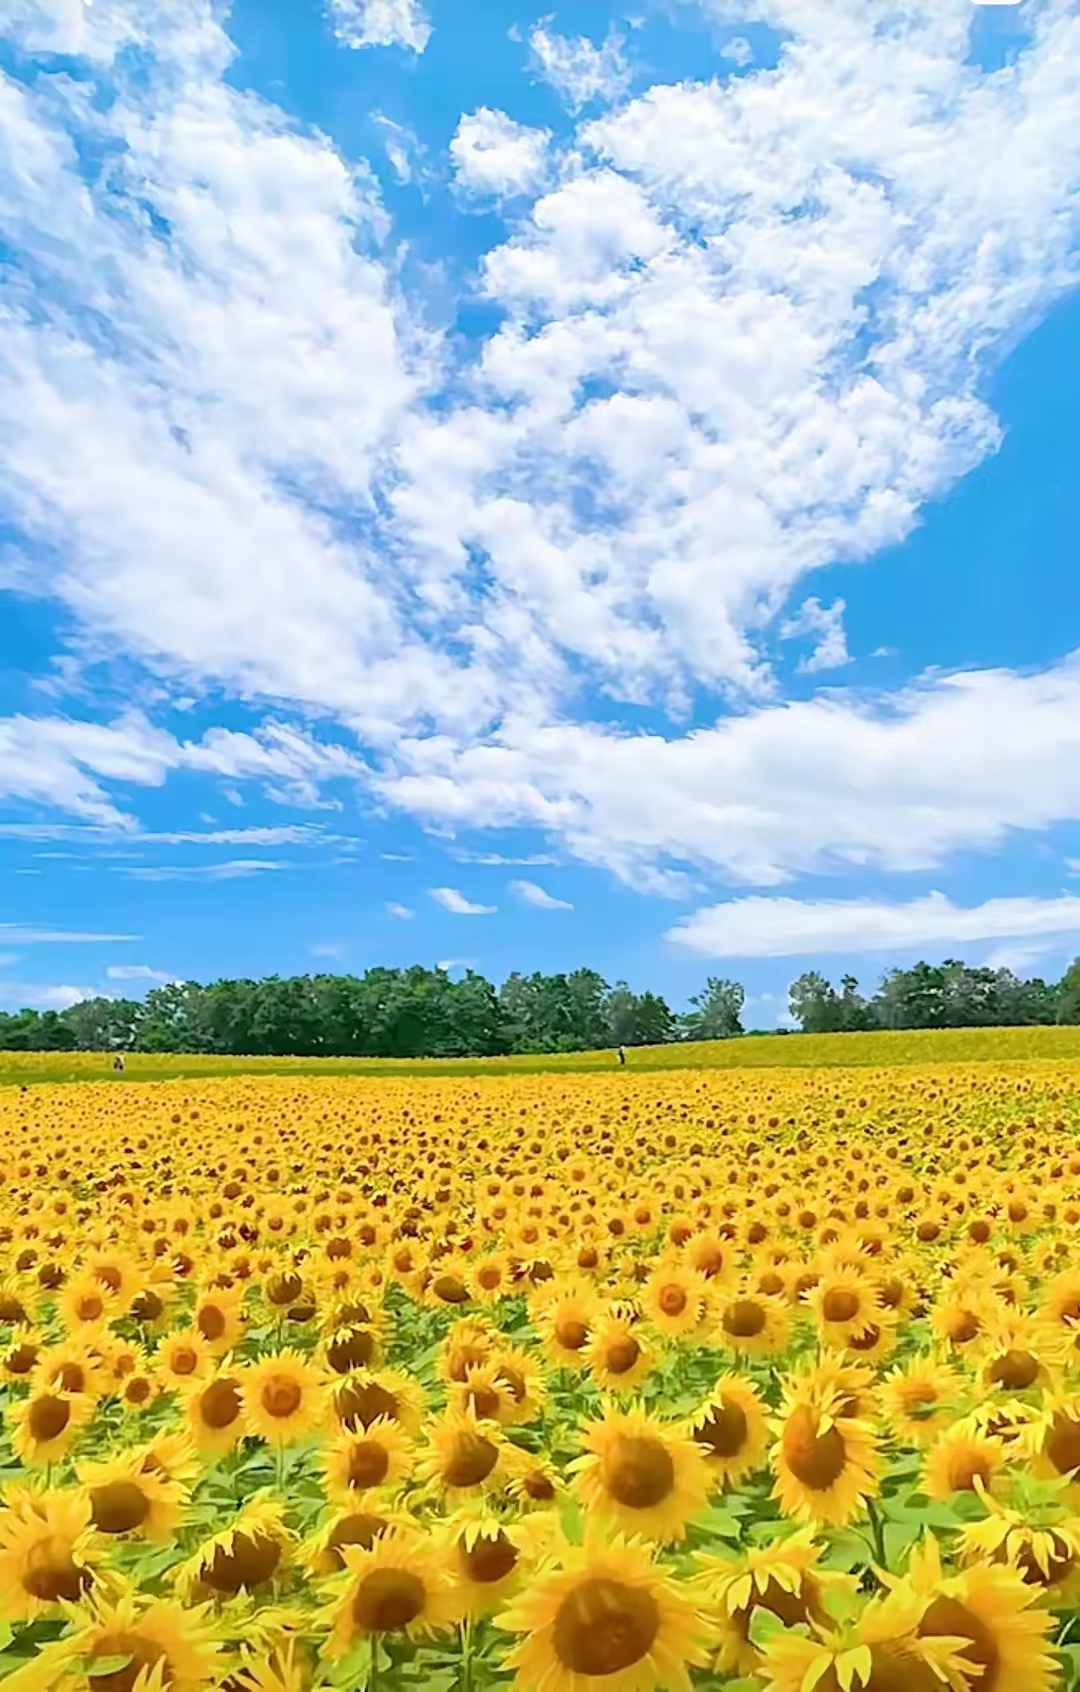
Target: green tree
x=716 y=1011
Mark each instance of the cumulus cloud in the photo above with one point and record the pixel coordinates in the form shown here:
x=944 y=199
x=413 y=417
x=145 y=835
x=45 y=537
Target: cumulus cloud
x=532 y=894
x=579 y=70
x=782 y=928
x=452 y=900
x=16 y=995
x=825 y=624
x=380 y=23
x=493 y=155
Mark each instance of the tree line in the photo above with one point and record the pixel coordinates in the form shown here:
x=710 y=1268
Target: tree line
x=419 y=1012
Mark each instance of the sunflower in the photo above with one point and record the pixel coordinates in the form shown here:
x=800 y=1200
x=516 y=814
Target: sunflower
x=48 y=1553
x=182 y=1357
x=356 y=1524
x=640 y=1473
x=922 y=1398
x=844 y=1304
x=138 y=1391
x=564 y=1322
x=604 y=1614
x=464 y=1458
x=732 y=1429
x=880 y=1653
x=398 y=1587
x=71 y=1366
x=44 y=1425
x=281 y=1669
x=713 y=1257
x=989 y=1607
x=86 y=1305
x=826 y=1464
x=617 y=1354
x=171 y=1455
x=522 y=1382
x=1045 y=1550
x=218 y=1317
x=352 y=1345
x=374 y=1459
x=674 y=1299
x=213 y=1413
x=1051 y=1439
x=783 y=1577
x=243 y=1557
x=361 y=1398
x=484 y=1392
x=157 y=1642
x=753 y=1324
x=124 y=1497
x=19 y=1354
x=283 y=1398
x=489 y=1277
x=1019 y=1354
x=962 y=1460
x=485 y=1559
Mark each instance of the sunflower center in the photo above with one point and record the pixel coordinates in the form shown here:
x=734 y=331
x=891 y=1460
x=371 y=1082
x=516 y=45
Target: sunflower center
x=450 y=1289
x=964 y=1327
x=118 y=1507
x=368 y=1464
x=363 y=1402
x=570 y=1333
x=604 y=1626
x=352 y=1349
x=70 y=1377
x=11 y=1309
x=792 y=1608
x=250 y=1563
x=966 y=1468
x=210 y=1322
x=142 y=1654
x=360 y=1529
x=147 y=1307
x=185 y=1360
x=1063 y=1444
x=48 y=1417
x=840 y=1304
x=284 y=1289
x=220 y=1405
x=471 y=1460
x=816 y=1459
x=638 y=1471
x=672 y=1300
x=723 y=1432
x=51 y=1574
x=387 y=1600
x=621 y=1355
x=1059 y=1563
x=484 y=1402
x=281 y=1397
x=948 y=1617
x=488 y=1560
x=744 y=1319
x=1015 y=1370
x=137 y=1390
x=22 y=1359
x=514 y=1383
x=489 y=1278
x=90 y=1307
x=538 y=1487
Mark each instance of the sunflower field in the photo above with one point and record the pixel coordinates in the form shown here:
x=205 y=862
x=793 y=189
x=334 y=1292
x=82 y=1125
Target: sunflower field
x=762 y=1381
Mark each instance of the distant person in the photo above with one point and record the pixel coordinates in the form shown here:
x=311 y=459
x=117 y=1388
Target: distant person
x=622 y=1055
x=118 y=1064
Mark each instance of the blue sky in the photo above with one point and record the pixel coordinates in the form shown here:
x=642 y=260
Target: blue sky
x=532 y=487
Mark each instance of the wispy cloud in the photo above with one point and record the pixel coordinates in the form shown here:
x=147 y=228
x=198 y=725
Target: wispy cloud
x=137 y=972
x=531 y=894
x=328 y=949
x=781 y=928
x=454 y=901
x=22 y=995
x=395 y=910
x=234 y=869
x=17 y=934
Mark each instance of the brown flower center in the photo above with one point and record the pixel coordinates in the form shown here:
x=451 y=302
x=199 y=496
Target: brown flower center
x=1063 y=1444
x=815 y=1459
x=185 y=1360
x=723 y=1432
x=250 y=1563
x=672 y=1300
x=840 y=1304
x=118 y=1507
x=281 y=1397
x=471 y=1460
x=604 y=1626
x=359 y=1403
x=352 y=1349
x=147 y=1306
x=48 y=1417
x=141 y=1654
x=387 y=1600
x=488 y=1560
x=210 y=1322
x=570 y=1333
x=368 y=1464
x=948 y=1617
x=90 y=1307
x=638 y=1471
x=1015 y=1370
x=450 y=1289
x=744 y=1319
x=220 y=1405
x=51 y=1575
x=621 y=1354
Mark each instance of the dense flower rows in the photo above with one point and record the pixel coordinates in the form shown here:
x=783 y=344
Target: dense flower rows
x=570 y=1384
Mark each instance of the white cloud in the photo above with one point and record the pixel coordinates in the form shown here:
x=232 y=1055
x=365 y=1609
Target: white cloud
x=783 y=928
x=328 y=949
x=1022 y=959
x=532 y=894
x=896 y=782
x=232 y=869
x=451 y=900
x=826 y=624
x=580 y=71
x=495 y=156
x=16 y=995
x=19 y=934
x=395 y=910
x=380 y=23
x=137 y=972
x=738 y=50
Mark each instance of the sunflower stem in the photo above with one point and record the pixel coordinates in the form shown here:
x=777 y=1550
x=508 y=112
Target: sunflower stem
x=877 y=1528
x=466 y=1656
x=373 y=1678
x=279 y=1470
